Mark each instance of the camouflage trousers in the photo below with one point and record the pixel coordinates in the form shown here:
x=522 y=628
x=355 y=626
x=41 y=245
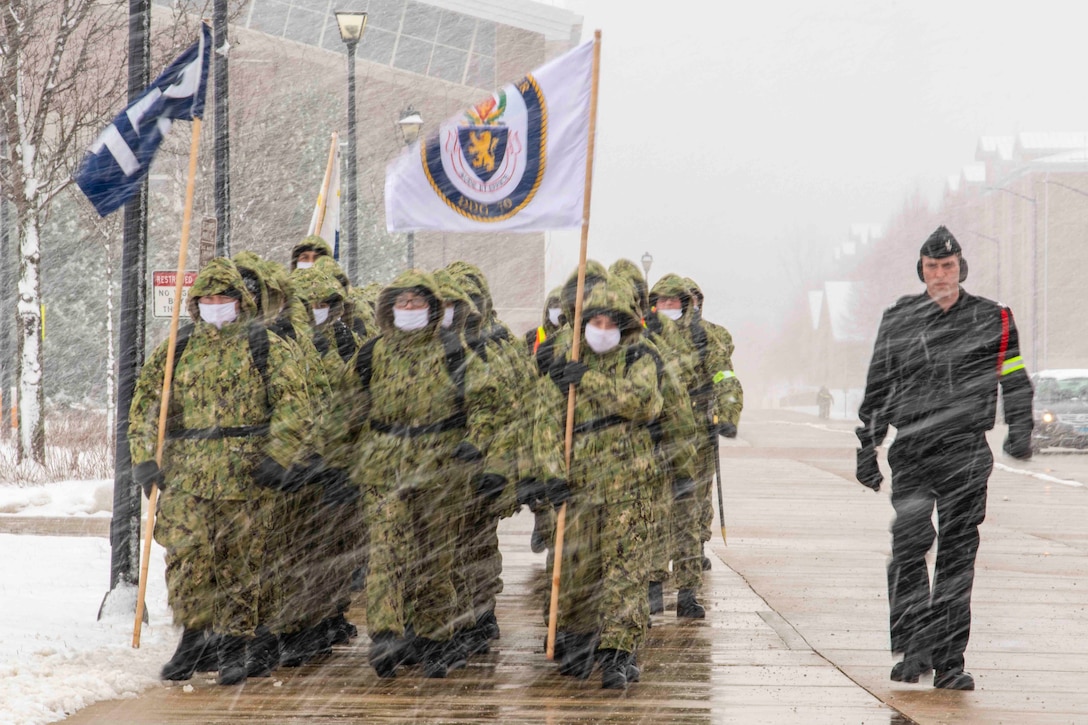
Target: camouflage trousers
x=685 y=542
x=659 y=533
x=606 y=561
x=409 y=577
x=482 y=560
x=215 y=553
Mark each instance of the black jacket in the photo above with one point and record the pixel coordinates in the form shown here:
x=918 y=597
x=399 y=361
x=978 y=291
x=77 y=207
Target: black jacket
x=935 y=372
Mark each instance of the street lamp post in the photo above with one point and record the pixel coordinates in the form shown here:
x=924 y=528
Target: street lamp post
x=1034 y=266
x=647 y=260
x=410 y=124
x=351 y=26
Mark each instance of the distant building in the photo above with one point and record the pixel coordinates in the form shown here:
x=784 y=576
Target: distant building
x=437 y=56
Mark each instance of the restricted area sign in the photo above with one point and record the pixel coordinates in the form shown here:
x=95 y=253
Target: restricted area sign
x=162 y=290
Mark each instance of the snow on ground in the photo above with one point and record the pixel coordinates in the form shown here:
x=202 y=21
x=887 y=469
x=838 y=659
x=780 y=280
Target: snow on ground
x=55 y=655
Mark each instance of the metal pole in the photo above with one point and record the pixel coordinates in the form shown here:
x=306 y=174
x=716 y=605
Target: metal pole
x=125 y=523
x=411 y=250
x=351 y=254
x=222 y=130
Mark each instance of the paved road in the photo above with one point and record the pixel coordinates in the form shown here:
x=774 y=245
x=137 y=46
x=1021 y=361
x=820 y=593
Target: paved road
x=796 y=629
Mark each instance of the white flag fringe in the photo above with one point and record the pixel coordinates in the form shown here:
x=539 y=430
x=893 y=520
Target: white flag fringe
x=514 y=162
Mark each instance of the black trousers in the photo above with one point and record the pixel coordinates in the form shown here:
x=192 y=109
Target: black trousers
x=949 y=471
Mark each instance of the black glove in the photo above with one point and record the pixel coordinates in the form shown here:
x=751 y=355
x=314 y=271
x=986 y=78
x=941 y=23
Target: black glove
x=269 y=474
x=682 y=488
x=489 y=486
x=727 y=430
x=466 y=452
x=868 y=471
x=557 y=491
x=148 y=474
x=336 y=488
x=298 y=475
x=529 y=491
x=565 y=374
x=1018 y=444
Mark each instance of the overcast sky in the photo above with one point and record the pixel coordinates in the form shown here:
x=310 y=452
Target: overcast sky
x=729 y=134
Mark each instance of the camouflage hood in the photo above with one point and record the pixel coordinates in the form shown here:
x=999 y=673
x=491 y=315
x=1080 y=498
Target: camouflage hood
x=629 y=271
x=696 y=292
x=279 y=289
x=409 y=280
x=451 y=292
x=615 y=298
x=673 y=285
x=315 y=285
x=554 y=300
x=473 y=282
x=252 y=269
x=312 y=243
x=220 y=277
x=595 y=273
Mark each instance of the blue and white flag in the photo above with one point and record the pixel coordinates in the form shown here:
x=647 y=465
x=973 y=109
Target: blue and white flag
x=119 y=159
x=514 y=162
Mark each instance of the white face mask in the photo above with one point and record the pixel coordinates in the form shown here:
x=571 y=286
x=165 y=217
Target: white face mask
x=321 y=314
x=672 y=314
x=601 y=341
x=218 y=314
x=304 y=265
x=553 y=315
x=447 y=317
x=411 y=320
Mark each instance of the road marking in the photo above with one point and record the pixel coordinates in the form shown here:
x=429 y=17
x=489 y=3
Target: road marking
x=1040 y=476
x=817 y=426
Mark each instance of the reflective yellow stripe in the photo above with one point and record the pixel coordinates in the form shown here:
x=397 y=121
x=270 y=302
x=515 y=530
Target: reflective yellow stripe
x=723 y=374
x=1012 y=365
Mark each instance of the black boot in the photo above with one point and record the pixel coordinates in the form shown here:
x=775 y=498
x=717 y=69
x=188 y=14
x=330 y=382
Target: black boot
x=384 y=654
x=232 y=660
x=953 y=679
x=687 y=606
x=186 y=657
x=262 y=653
x=911 y=668
x=613 y=669
x=456 y=651
x=340 y=630
x=409 y=653
x=209 y=659
x=706 y=563
x=657 y=598
x=488 y=624
x=577 y=657
x=474 y=640
x=634 y=674
x=433 y=654
x=294 y=648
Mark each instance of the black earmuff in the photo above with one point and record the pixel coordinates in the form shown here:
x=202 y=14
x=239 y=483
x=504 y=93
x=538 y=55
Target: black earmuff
x=963 y=270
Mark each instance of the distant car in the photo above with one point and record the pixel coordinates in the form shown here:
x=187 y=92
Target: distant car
x=1060 y=409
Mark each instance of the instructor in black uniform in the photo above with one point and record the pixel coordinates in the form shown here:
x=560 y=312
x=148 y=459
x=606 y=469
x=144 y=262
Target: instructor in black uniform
x=938 y=360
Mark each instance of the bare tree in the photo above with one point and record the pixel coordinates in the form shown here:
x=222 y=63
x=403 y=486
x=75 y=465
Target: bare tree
x=56 y=85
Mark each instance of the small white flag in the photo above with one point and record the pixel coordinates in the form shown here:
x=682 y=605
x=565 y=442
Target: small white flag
x=514 y=162
x=327 y=209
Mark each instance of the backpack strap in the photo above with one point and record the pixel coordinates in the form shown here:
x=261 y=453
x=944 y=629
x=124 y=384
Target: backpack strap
x=258 y=350
x=364 y=361
x=455 y=364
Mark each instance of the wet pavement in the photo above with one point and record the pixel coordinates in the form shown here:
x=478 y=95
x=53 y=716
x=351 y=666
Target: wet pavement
x=796 y=629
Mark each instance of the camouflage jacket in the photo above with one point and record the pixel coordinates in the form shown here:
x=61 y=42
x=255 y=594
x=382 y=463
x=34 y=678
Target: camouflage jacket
x=216 y=386
x=612 y=459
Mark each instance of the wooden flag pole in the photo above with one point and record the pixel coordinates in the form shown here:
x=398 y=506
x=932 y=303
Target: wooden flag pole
x=576 y=345
x=323 y=197
x=167 y=379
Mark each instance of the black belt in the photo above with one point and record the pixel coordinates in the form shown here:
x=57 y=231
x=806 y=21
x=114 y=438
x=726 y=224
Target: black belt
x=457 y=420
x=592 y=426
x=216 y=432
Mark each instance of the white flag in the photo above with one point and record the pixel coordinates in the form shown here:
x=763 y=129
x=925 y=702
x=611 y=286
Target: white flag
x=327 y=208
x=515 y=162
